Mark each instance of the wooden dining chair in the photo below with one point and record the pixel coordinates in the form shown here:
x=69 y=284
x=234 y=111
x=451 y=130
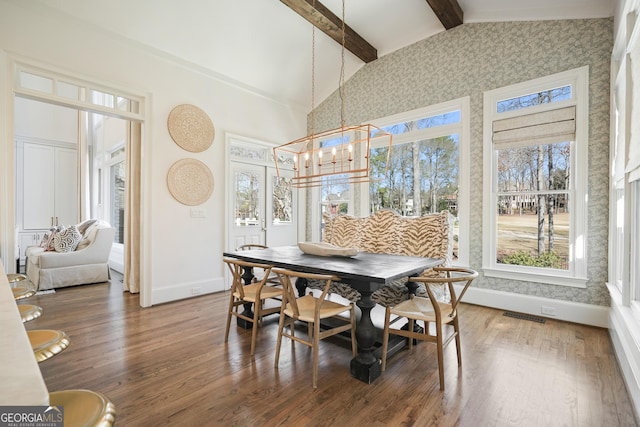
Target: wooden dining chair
x=431 y=310
x=271 y=278
x=312 y=309
x=251 y=246
x=256 y=293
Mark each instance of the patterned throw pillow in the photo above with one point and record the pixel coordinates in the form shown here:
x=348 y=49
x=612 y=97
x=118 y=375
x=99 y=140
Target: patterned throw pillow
x=67 y=239
x=47 y=240
x=44 y=243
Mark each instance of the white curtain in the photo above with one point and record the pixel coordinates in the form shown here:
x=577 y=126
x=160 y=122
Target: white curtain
x=131 y=278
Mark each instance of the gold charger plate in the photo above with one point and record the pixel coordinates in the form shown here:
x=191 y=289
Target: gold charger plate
x=191 y=128
x=190 y=182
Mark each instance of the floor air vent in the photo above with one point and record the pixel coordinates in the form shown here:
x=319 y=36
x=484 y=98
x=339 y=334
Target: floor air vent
x=524 y=316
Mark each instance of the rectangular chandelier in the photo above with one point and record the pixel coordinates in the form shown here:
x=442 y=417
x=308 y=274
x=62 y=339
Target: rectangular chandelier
x=338 y=156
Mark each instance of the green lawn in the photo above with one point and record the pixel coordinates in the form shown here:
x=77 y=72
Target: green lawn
x=520 y=233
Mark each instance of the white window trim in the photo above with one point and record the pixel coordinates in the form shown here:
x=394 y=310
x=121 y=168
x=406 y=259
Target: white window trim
x=463 y=129
x=576 y=276
x=631 y=268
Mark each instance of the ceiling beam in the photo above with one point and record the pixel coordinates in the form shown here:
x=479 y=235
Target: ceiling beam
x=448 y=12
x=323 y=19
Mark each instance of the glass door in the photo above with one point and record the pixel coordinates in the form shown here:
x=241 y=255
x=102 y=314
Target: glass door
x=281 y=224
x=261 y=206
x=249 y=205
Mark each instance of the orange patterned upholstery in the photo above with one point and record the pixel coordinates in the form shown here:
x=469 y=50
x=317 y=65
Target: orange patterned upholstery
x=387 y=232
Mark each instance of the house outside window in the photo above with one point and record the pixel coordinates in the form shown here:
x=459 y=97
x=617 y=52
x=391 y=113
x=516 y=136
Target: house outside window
x=535 y=180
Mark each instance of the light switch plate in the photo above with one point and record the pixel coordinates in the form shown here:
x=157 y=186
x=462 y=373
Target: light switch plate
x=198 y=213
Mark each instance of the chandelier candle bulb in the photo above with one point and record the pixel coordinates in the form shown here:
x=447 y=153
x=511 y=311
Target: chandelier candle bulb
x=349 y=148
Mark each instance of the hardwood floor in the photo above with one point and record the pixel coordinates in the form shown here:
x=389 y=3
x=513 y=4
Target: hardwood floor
x=169 y=365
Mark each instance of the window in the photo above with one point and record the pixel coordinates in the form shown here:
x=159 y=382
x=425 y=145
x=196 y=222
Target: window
x=282 y=200
x=117 y=200
x=535 y=180
x=617 y=194
x=79 y=94
x=630 y=174
x=334 y=193
x=634 y=278
x=247 y=199
x=428 y=170
x=624 y=217
x=116 y=172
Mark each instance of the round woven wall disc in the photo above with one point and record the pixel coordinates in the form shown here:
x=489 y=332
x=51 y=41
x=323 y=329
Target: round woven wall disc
x=190 y=182
x=191 y=128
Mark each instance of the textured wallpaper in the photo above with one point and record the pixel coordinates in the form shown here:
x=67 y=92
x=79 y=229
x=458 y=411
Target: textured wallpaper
x=471 y=59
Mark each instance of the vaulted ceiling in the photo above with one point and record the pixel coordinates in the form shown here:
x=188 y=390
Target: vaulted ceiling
x=265 y=45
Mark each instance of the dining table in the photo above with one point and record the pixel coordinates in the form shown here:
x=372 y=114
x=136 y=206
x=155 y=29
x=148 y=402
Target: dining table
x=365 y=272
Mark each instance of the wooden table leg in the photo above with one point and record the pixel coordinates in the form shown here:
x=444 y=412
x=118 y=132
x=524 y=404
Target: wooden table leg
x=247 y=278
x=365 y=366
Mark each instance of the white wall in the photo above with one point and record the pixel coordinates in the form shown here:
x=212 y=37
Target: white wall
x=48 y=122
x=179 y=252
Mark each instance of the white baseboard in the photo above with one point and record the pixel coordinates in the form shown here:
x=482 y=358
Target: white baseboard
x=187 y=290
x=624 y=329
x=586 y=314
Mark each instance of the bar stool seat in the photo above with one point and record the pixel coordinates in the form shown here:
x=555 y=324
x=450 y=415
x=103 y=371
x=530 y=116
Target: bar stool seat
x=46 y=343
x=28 y=312
x=84 y=408
x=22 y=292
x=15 y=278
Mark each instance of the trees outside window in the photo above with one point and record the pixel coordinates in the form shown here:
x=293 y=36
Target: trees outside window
x=535 y=172
x=422 y=177
x=428 y=171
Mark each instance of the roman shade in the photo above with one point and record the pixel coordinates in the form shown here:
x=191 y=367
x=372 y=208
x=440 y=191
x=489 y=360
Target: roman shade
x=547 y=127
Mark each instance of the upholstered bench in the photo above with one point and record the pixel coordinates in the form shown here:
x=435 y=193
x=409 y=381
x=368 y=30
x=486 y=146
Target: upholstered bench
x=387 y=232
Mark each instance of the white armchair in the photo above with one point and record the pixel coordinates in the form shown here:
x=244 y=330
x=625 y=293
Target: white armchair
x=88 y=264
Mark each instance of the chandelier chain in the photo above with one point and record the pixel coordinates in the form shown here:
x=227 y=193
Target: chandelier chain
x=342 y=121
x=313 y=73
